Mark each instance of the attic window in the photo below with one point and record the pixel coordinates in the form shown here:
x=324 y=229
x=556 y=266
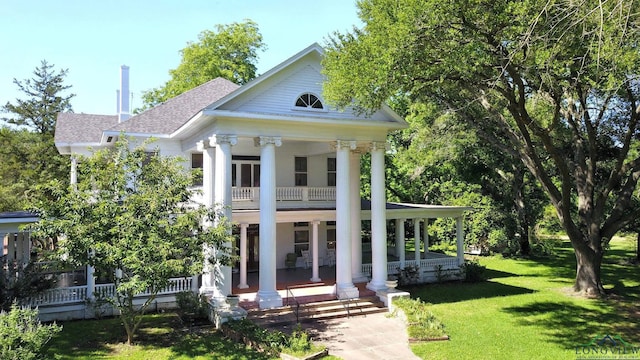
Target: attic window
x=309 y=101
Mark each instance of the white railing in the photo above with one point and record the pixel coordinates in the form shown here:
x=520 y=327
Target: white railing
x=59 y=296
x=79 y=293
x=290 y=193
x=393 y=267
x=322 y=193
x=245 y=193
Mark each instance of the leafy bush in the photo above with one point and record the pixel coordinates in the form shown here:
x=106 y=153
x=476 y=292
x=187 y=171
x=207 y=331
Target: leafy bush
x=473 y=271
x=410 y=275
x=22 y=336
x=274 y=342
x=192 y=305
x=422 y=324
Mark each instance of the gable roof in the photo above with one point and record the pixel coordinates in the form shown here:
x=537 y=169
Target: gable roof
x=170 y=115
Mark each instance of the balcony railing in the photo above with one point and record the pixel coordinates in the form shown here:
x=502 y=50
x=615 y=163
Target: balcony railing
x=293 y=193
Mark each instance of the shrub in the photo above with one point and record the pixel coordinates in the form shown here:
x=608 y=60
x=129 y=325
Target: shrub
x=274 y=342
x=473 y=271
x=192 y=305
x=422 y=324
x=22 y=336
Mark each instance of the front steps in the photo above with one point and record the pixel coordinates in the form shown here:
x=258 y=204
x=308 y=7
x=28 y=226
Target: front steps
x=316 y=311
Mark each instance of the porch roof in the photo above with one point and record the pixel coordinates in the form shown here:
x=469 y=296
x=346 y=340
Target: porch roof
x=393 y=211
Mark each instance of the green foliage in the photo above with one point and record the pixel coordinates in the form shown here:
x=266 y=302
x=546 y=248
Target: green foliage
x=552 y=84
x=230 y=52
x=129 y=217
x=192 y=305
x=22 y=336
x=40 y=110
x=473 y=271
x=28 y=156
x=421 y=322
x=274 y=342
x=19 y=282
x=409 y=275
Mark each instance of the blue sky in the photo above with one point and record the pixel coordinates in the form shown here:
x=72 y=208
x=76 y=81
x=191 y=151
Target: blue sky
x=93 y=38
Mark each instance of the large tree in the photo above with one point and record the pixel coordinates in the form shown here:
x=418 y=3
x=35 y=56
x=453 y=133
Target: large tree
x=230 y=52
x=130 y=217
x=28 y=156
x=554 y=83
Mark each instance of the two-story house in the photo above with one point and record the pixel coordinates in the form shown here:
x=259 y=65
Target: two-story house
x=285 y=168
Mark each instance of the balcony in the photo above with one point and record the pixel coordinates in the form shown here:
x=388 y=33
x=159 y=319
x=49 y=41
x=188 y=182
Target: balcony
x=246 y=198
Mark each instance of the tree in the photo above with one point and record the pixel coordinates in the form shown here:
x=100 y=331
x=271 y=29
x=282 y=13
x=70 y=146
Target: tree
x=553 y=83
x=28 y=155
x=45 y=101
x=129 y=216
x=231 y=52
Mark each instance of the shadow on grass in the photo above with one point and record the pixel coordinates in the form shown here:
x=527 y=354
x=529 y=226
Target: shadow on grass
x=459 y=291
x=578 y=324
x=103 y=338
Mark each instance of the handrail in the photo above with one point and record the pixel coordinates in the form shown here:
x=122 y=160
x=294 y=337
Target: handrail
x=346 y=304
x=297 y=303
x=297 y=309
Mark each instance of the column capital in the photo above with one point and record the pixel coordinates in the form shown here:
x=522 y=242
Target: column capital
x=223 y=139
x=315 y=222
x=203 y=145
x=379 y=145
x=345 y=144
x=267 y=140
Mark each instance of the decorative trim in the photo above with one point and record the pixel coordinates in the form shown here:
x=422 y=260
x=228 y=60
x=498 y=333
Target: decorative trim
x=379 y=145
x=223 y=139
x=267 y=140
x=345 y=144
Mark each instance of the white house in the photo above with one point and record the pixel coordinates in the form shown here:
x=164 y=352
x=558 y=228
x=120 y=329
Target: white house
x=286 y=167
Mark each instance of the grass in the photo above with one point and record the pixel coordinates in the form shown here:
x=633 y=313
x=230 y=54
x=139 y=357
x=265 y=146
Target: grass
x=527 y=310
x=163 y=336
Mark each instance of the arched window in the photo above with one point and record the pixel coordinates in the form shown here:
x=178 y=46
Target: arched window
x=309 y=101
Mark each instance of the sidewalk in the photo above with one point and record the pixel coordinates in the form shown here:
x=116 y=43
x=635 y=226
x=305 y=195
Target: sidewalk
x=374 y=336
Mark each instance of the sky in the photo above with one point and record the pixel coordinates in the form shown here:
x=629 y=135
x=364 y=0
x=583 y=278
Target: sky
x=93 y=38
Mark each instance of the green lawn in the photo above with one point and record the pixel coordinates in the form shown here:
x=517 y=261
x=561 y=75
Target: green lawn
x=526 y=309
x=163 y=336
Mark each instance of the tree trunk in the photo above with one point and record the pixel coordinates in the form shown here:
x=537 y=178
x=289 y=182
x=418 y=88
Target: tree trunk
x=588 y=279
x=519 y=202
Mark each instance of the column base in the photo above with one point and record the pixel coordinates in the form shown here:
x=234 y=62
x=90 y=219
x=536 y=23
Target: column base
x=348 y=292
x=315 y=279
x=359 y=278
x=376 y=285
x=243 y=286
x=268 y=299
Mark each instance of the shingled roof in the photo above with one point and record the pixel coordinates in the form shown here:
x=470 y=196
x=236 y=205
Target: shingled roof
x=161 y=119
x=170 y=115
x=82 y=128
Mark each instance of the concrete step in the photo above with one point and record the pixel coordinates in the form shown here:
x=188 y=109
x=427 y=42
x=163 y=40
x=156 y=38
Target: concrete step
x=315 y=311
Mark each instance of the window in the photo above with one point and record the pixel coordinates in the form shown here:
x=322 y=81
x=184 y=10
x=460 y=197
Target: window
x=196 y=168
x=301 y=171
x=309 y=101
x=331 y=171
x=301 y=237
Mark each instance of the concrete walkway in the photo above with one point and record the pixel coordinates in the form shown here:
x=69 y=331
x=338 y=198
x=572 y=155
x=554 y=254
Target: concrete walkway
x=374 y=336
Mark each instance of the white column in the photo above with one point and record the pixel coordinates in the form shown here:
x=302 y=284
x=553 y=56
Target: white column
x=223 y=203
x=314 y=250
x=344 y=281
x=267 y=296
x=460 y=240
x=74 y=171
x=378 y=219
x=416 y=240
x=426 y=236
x=356 y=219
x=401 y=246
x=399 y=237
x=243 y=257
x=208 y=165
x=91 y=282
